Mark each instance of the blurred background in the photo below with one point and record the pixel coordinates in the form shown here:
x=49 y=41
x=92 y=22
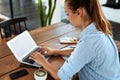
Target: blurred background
x=29 y=8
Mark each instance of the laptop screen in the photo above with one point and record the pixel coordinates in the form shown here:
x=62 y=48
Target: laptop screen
x=22 y=45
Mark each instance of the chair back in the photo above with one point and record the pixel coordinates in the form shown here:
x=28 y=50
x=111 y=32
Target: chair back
x=13 y=27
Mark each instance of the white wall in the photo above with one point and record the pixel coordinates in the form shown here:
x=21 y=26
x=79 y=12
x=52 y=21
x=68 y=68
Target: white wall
x=57 y=13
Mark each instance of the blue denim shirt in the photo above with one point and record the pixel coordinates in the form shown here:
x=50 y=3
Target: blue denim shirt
x=94 y=58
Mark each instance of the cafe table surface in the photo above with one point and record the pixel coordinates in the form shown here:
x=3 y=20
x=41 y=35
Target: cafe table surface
x=46 y=36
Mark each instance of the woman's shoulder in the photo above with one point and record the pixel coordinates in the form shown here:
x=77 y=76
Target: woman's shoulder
x=94 y=36
x=95 y=39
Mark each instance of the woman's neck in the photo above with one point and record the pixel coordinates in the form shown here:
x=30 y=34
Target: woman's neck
x=86 y=23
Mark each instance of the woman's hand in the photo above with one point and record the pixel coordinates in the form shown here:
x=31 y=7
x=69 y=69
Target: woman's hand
x=38 y=55
x=46 y=51
x=38 y=58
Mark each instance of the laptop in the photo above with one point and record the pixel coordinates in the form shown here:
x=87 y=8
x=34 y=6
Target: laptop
x=22 y=46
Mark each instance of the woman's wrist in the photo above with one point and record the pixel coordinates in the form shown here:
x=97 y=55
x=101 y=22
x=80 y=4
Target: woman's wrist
x=56 y=51
x=50 y=69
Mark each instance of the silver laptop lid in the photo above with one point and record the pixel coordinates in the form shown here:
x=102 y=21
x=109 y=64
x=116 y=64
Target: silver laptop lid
x=22 y=45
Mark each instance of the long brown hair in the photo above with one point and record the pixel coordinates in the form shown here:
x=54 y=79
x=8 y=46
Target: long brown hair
x=94 y=11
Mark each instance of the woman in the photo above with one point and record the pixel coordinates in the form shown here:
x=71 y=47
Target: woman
x=95 y=56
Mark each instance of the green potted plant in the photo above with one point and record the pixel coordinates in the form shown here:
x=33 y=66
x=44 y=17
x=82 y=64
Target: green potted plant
x=45 y=16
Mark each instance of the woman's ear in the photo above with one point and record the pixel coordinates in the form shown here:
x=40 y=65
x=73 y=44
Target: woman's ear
x=79 y=12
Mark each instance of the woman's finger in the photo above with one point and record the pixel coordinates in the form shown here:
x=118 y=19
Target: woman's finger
x=32 y=56
x=45 y=52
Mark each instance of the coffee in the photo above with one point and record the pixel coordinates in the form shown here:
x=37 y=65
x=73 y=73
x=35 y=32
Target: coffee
x=40 y=74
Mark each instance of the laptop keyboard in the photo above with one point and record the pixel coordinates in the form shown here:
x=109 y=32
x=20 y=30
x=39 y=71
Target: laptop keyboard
x=28 y=60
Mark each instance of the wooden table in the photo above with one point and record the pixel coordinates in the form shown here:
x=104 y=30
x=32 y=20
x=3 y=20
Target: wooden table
x=47 y=36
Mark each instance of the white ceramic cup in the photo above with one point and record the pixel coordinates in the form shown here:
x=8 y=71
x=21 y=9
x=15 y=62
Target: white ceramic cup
x=40 y=74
